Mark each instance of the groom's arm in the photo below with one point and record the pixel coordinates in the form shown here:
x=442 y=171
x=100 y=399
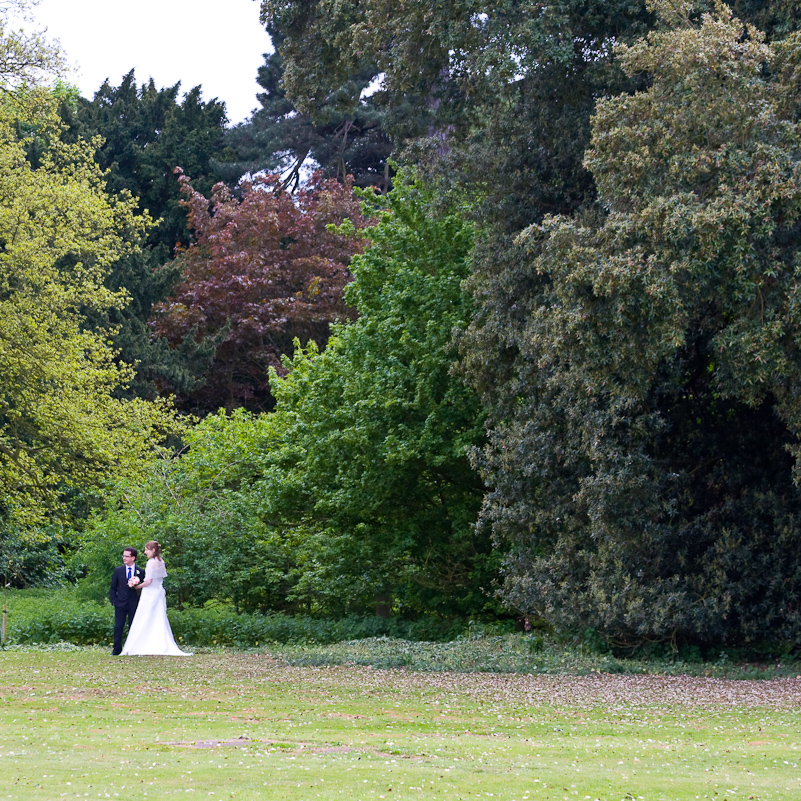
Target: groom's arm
x=112 y=593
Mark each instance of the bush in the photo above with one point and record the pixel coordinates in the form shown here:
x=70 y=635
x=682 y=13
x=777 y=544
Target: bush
x=39 y=616
x=46 y=616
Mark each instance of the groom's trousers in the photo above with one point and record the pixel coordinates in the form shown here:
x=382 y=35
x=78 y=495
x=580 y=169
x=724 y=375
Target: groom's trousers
x=121 y=614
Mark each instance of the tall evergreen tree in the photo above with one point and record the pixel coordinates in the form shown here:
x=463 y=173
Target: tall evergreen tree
x=646 y=472
x=344 y=135
x=146 y=132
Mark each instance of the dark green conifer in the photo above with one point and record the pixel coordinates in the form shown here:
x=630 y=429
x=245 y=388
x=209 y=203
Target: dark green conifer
x=344 y=134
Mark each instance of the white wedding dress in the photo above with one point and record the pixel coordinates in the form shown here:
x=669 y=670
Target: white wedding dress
x=150 y=632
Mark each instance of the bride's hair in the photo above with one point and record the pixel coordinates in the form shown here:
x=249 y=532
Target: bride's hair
x=156 y=548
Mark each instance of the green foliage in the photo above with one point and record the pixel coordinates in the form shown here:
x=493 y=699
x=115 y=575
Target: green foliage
x=147 y=132
x=61 y=424
x=52 y=617
x=777 y=18
x=209 y=627
x=375 y=478
x=62 y=428
x=48 y=617
x=356 y=491
x=34 y=557
x=449 y=58
x=65 y=616
x=510 y=94
x=200 y=505
x=644 y=438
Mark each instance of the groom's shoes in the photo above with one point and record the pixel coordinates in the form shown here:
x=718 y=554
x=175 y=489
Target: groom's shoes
x=115 y=653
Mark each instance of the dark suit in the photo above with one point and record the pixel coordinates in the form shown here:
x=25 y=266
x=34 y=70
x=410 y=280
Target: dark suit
x=124 y=599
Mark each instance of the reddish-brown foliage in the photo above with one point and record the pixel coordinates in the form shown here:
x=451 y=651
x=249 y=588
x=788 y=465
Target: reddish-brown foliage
x=263 y=270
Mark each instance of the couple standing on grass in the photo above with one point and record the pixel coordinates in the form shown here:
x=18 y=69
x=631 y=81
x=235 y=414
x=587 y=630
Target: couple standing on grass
x=138 y=597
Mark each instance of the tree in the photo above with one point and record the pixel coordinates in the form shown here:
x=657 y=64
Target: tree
x=500 y=101
x=60 y=424
x=643 y=448
x=145 y=133
x=458 y=59
x=263 y=271
x=357 y=488
x=199 y=503
x=25 y=58
x=457 y=73
x=375 y=479
x=343 y=137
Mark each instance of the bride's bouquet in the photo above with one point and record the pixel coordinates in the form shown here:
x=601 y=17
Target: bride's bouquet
x=133 y=581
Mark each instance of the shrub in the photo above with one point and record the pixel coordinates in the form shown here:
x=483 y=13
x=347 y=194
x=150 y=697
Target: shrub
x=38 y=616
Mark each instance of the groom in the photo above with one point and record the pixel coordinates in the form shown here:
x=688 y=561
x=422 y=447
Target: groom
x=124 y=599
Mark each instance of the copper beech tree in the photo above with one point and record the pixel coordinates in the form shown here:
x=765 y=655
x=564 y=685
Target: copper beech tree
x=263 y=270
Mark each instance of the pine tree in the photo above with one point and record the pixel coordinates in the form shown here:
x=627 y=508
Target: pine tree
x=344 y=135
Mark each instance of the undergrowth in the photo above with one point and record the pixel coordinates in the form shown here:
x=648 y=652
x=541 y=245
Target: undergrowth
x=46 y=619
x=50 y=616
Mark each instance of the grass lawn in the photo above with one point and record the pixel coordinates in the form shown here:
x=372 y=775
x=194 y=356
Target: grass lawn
x=76 y=723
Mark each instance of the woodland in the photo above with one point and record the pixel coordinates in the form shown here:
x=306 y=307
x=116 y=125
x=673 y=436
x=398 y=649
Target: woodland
x=484 y=314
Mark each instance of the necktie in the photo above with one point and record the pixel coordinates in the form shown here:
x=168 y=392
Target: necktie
x=129 y=573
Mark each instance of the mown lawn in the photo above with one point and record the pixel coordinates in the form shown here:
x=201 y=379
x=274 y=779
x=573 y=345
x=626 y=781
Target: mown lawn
x=78 y=724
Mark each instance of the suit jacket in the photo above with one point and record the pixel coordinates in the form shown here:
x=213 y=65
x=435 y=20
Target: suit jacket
x=120 y=594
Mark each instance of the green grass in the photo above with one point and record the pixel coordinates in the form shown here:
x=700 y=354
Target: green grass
x=76 y=723
x=50 y=617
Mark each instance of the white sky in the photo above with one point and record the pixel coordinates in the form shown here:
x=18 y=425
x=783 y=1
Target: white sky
x=218 y=44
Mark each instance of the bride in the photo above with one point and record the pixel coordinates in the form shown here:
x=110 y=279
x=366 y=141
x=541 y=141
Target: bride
x=150 y=632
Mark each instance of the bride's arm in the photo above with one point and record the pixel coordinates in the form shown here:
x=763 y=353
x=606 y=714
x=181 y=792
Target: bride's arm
x=148 y=577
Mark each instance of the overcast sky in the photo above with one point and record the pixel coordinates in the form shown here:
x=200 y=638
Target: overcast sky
x=218 y=44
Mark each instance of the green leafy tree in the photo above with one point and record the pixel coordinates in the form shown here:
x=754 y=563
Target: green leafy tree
x=511 y=86
x=508 y=93
x=644 y=450
x=466 y=68
x=376 y=482
x=357 y=489
x=63 y=431
x=201 y=504
x=60 y=424
x=499 y=100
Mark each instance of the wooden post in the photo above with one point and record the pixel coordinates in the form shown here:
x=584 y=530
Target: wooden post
x=6 y=585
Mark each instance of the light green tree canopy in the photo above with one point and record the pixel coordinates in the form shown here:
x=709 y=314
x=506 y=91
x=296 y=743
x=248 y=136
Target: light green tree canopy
x=25 y=57
x=60 y=422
